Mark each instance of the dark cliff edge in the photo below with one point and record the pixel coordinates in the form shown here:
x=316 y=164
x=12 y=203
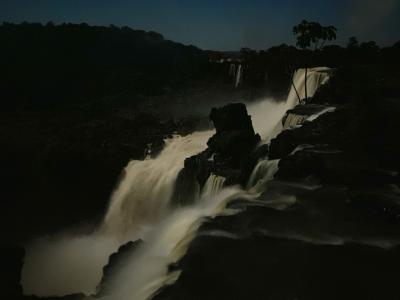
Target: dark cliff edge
x=328 y=225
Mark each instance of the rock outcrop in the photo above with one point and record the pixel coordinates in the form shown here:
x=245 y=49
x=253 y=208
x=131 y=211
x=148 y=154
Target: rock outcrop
x=231 y=153
x=114 y=263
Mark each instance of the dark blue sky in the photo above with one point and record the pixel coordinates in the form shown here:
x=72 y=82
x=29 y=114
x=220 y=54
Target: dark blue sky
x=220 y=24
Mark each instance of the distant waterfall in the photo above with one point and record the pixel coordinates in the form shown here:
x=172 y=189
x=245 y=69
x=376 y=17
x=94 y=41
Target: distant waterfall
x=139 y=208
x=236 y=72
x=232 y=70
x=238 y=78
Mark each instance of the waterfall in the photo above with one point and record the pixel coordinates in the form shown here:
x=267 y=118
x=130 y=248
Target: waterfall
x=139 y=208
x=315 y=78
x=143 y=195
x=213 y=185
x=236 y=72
x=147 y=269
x=72 y=263
x=262 y=173
x=238 y=78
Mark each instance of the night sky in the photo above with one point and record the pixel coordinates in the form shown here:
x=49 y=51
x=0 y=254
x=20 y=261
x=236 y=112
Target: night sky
x=220 y=24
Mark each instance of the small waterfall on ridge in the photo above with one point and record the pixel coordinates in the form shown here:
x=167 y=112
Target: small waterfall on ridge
x=262 y=173
x=213 y=185
x=292 y=120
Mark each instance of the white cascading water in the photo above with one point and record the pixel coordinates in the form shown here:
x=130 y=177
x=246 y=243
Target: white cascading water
x=238 y=78
x=70 y=263
x=262 y=173
x=212 y=186
x=267 y=114
x=144 y=194
x=315 y=78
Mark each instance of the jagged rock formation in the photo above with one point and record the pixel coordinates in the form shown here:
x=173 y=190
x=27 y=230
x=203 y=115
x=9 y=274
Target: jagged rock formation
x=231 y=153
x=114 y=263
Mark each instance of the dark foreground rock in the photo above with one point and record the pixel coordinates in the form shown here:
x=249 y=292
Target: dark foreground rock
x=115 y=262
x=297 y=243
x=11 y=261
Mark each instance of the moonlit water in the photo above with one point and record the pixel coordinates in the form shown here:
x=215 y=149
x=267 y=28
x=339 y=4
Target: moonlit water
x=263 y=172
x=315 y=78
x=267 y=113
x=147 y=269
x=213 y=185
x=238 y=78
x=143 y=195
x=70 y=263
x=66 y=264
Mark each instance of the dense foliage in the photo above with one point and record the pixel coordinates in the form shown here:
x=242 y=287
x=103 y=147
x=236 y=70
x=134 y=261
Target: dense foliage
x=48 y=65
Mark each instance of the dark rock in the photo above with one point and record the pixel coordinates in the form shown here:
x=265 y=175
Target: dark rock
x=231 y=153
x=235 y=135
x=231 y=117
x=194 y=175
x=283 y=144
x=330 y=166
x=115 y=261
x=314 y=240
x=300 y=165
x=334 y=128
x=251 y=161
x=11 y=261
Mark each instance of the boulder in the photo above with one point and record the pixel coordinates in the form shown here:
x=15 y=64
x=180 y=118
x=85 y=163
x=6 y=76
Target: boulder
x=114 y=263
x=235 y=136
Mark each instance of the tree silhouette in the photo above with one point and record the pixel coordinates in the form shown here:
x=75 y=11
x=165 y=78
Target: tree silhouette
x=310 y=34
x=313 y=34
